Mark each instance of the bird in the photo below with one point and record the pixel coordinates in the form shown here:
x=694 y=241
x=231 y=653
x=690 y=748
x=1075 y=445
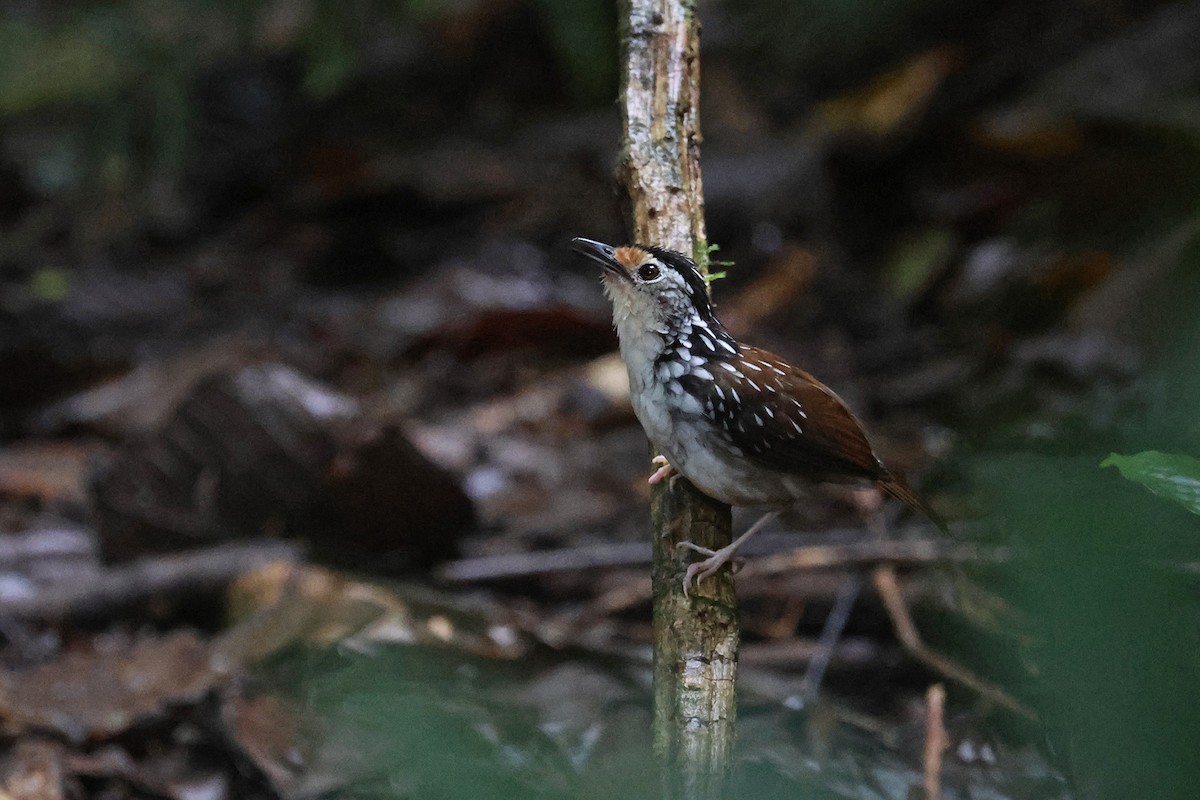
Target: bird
x=741 y=424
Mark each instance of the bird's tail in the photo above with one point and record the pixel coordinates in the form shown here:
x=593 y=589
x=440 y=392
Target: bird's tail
x=901 y=491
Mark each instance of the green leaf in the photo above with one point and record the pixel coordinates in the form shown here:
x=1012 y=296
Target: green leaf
x=40 y=69
x=918 y=260
x=1170 y=475
x=582 y=33
x=49 y=283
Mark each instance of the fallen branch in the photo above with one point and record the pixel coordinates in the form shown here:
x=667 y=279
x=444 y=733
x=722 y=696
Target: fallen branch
x=199 y=572
x=888 y=588
x=899 y=553
x=776 y=559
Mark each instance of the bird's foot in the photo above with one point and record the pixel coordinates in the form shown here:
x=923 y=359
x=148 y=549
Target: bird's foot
x=718 y=558
x=709 y=566
x=664 y=470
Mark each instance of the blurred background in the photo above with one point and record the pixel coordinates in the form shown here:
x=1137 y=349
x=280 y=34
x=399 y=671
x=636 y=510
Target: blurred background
x=318 y=476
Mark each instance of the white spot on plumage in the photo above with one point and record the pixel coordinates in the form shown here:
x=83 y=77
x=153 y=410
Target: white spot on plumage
x=677 y=368
x=770 y=412
x=701 y=372
x=727 y=346
x=758 y=420
x=707 y=342
x=736 y=399
x=689 y=404
x=675 y=388
x=752 y=366
x=719 y=391
x=757 y=388
x=796 y=425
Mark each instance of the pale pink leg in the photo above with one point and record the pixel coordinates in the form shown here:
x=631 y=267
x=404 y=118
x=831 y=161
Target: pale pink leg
x=718 y=558
x=663 y=471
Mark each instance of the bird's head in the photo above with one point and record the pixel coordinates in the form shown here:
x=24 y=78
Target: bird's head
x=652 y=289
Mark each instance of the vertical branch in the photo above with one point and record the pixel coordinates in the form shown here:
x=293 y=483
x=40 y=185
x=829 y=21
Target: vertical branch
x=696 y=640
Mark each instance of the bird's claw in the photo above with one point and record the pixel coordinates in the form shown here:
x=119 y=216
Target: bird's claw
x=664 y=470
x=708 y=567
x=695 y=548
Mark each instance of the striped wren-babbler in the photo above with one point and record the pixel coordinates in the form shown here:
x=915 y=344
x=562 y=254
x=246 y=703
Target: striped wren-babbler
x=743 y=425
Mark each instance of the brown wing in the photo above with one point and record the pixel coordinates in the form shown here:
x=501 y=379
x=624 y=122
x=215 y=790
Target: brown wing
x=786 y=419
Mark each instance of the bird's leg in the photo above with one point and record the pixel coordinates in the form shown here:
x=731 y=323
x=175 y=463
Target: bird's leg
x=718 y=558
x=664 y=469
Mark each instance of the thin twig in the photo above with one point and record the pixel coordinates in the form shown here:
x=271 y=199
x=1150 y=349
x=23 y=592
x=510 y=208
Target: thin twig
x=888 y=588
x=935 y=740
x=524 y=565
x=835 y=556
x=777 y=560
x=120 y=586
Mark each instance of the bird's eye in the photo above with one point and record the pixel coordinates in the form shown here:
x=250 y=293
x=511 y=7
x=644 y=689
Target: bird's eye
x=648 y=272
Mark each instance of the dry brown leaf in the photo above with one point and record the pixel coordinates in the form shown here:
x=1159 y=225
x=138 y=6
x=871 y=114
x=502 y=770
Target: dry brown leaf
x=102 y=692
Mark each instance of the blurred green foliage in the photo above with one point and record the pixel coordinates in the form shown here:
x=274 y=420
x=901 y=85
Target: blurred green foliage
x=1102 y=570
x=1170 y=475
x=116 y=81
x=50 y=284
x=836 y=44
x=583 y=33
x=40 y=68
x=1116 y=645
x=420 y=722
x=430 y=723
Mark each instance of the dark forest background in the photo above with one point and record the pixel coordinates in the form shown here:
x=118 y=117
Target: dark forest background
x=317 y=474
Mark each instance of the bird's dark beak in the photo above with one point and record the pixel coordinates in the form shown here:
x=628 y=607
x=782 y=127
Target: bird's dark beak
x=602 y=254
